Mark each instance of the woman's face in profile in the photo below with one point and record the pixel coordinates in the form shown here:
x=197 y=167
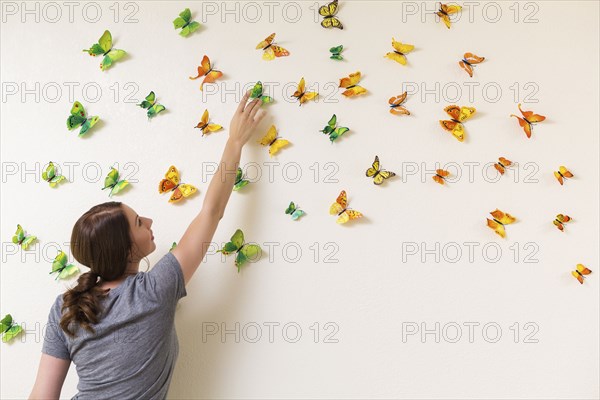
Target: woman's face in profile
x=141 y=234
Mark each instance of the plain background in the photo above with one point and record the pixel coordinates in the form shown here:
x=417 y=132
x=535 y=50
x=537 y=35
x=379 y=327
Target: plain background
x=375 y=288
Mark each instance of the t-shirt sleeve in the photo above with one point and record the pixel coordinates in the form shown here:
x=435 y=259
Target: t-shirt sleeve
x=55 y=343
x=166 y=281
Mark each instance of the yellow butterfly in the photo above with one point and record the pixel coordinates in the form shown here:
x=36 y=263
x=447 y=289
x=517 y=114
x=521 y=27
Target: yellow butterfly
x=458 y=115
x=275 y=144
x=271 y=50
x=340 y=208
x=205 y=126
x=500 y=219
x=378 y=174
x=445 y=11
x=350 y=84
x=329 y=11
x=302 y=95
x=400 y=51
x=172 y=183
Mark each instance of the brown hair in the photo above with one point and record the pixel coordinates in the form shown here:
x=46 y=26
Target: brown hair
x=101 y=241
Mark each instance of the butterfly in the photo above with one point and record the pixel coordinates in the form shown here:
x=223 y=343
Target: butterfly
x=580 y=271
x=440 y=176
x=79 y=117
x=244 y=252
x=336 y=52
x=206 y=70
x=396 y=105
x=185 y=21
x=458 y=115
x=50 y=176
x=329 y=11
x=400 y=51
x=257 y=93
x=271 y=50
x=445 y=11
x=294 y=211
x=9 y=329
x=112 y=181
x=21 y=239
x=562 y=173
x=302 y=95
x=560 y=221
x=529 y=118
x=172 y=183
x=333 y=131
x=151 y=105
x=61 y=265
x=340 y=207
x=500 y=220
x=378 y=174
x=502 y=164
x=104 y=48
x=468 y=62
x=205 y=126
x=240 y=182
x=270 y=139
x=350 y=84
x=173 y=246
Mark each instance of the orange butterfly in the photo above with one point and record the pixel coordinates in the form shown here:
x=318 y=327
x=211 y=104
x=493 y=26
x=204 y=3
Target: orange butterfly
x=529 y=118
x=562 y=173
x=206 y=70
x=502 y=164
x=560 y=221
x=302 y=95
x=458 y=115
x=468 y=61
x=340 y=208
x=396 y=105
x=205 y=126
x=172 y=183
x=500 y=220
x=445 y=11
x=350 y=84
x=271 y=50
x=580 y=271
x=440 y=176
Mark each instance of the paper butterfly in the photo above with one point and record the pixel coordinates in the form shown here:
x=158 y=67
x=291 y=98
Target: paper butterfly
x=79 y=117
x=500 y=220
x=562 y=174
x=49 y=175
x=244 y=252
x=104 y=48
x=329 y=11
x=468 y=62
x=205 y=126
x=440 y=176
x=172 y=183
x=273 y=141
x=458 y=115
x=396 y=106
x=502 y=164
x=445 y=11
x=185 y=21
x=61 y=265
x=240 y=182
x=350 y=84
x=336 y=53
x=21 y=239
x=400 y=51
x=302 y=95
x=207 y=71
x=378 y=174
x=112 y=181
x=151 y=105
x=333 y=131
x=173 y=246
x=257 y=93
x=294 y=211
x=529 y=118
x=340 y=207
x=560 y=221
x=580 y=271
x=9 y=329
x=271 y=50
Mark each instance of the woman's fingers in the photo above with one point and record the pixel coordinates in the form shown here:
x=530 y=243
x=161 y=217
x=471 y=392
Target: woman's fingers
x=242 y=104
x=252 y=106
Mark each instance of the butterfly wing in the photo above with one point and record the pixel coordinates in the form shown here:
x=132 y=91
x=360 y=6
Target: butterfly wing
x=466 y=113
x=348 y=215
x=269 y=136
x=111 y=57
x=88 y=124
x=351 y=80
x=499 y=168
x=504 y=218
x=266 y=42
x=190 y=28
x=337 y=133
x=372 y=171
x=466 y=67
x=565 y=172
x=279 y=51
x=523 y=124
x=277 y=145
x=498 y=228
x=19 y=235
x=530 y=116
x=60 y=261
x=297 y=214
x=558 y=177
x=105 y=41
x=459 y=132
x=10 y=333
x=269 y=54
x=77 y=117
x=473 y=59
x=155 y=109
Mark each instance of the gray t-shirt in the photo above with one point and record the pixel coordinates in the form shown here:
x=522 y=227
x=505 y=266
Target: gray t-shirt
x=133 y=353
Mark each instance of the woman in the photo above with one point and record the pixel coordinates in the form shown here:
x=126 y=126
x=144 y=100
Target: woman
x=119 y=329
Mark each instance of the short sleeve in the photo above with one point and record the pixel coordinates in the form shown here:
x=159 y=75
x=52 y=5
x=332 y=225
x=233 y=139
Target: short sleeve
x=55 y=343
x=166 y=280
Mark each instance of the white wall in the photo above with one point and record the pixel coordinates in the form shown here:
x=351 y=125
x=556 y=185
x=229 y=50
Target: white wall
x=370 y=294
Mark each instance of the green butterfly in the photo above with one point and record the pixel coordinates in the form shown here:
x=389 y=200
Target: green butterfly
x=49 y=175
x=336 y=52
x=79 y=117
x=257 y=93
x=240 y=182
x=245 y=252
x=9 y=329
x=185 y=21
x=104 y=47
x=173 y=246
x=60 y=265
x=150 y=104
x=112 y=181
x=333 y=131
x=294 y=211
x=21 y=239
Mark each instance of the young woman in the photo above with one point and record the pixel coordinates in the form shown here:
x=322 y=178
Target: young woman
x=117 y=324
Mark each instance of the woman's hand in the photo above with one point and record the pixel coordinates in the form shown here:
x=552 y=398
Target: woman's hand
x=245 y=119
